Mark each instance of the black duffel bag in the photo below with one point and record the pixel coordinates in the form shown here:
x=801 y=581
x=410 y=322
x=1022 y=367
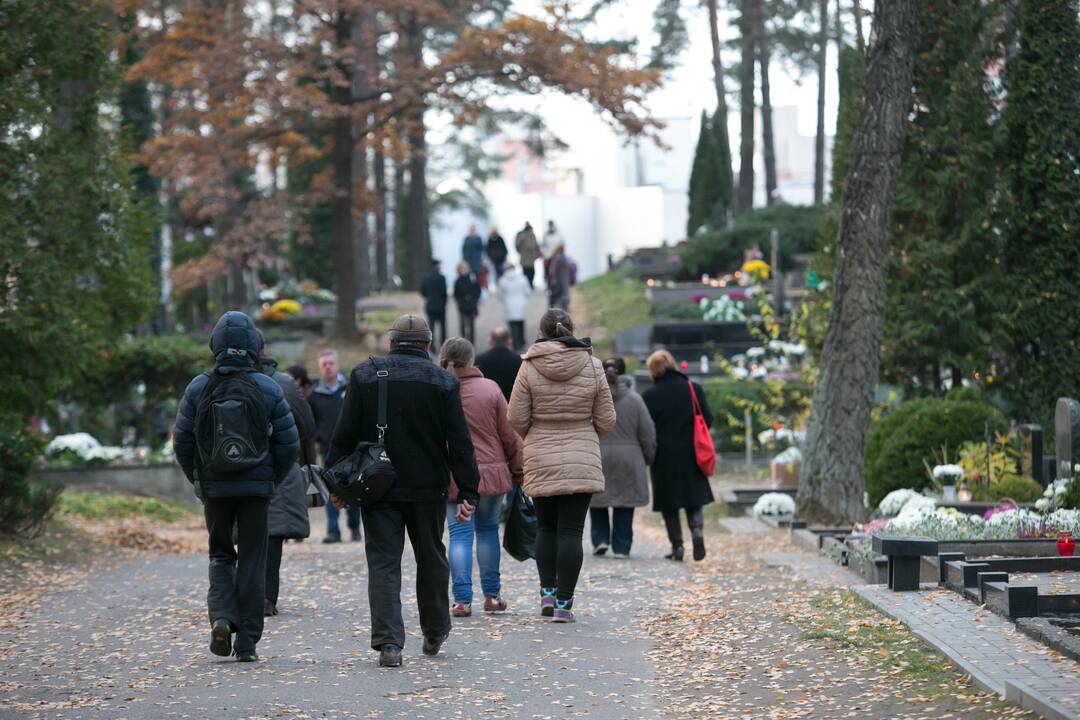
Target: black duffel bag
x=519 y=537
x=365 y=476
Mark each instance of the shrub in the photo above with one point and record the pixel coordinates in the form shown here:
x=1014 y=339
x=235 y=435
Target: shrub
x=898 y=445
x=769 y=401
x=1015 y=487
x=112 y=506
x=24 y=505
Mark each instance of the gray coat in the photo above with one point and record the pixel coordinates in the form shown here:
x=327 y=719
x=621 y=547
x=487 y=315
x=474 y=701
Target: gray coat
x=288 y=514
x=627 y=450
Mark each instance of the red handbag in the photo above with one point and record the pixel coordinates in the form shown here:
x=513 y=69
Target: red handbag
x=704 y=450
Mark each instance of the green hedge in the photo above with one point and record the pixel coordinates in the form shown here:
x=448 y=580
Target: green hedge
x=916 y=431
x=769 y=401
x=24 y=505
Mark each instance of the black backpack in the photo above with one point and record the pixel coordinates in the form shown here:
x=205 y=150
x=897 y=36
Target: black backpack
x=232 y=430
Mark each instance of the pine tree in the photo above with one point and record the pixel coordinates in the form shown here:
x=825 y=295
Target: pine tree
x=1042 y=227
x=724 y=182
x=702 y=179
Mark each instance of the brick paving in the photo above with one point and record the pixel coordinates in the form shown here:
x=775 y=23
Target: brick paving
x=991 y=649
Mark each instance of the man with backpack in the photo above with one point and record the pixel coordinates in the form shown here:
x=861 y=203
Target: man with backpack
x=426 y=439
x=235 y=439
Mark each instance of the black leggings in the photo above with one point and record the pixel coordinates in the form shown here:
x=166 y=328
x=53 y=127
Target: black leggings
x=560 y=521
x=273 y=568
x=695 y=519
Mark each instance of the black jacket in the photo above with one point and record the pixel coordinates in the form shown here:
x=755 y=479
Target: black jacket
x=467 y=294
x=677 y=481
x=500 y=364
x=427 y=437
x=433 y=288
x=325 y=407
x=496 y=250
x=235 y=332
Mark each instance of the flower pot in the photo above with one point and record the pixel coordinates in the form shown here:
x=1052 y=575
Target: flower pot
x=948 y=493
x=1066 y=545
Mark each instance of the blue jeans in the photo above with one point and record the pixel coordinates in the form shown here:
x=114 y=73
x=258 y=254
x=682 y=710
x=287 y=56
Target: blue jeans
x=618 y=533
x=484 y=524
x=352 y=517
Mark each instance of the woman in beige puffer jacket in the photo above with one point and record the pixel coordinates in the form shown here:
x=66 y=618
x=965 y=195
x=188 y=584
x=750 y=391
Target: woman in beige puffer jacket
x=561 y=406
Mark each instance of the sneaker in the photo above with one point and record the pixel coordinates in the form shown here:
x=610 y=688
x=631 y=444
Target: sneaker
x=494 y=604
x=676 y=554
x=699 y=549
x=331 y=538
x=432 y=645
x=355 y=535
x=621 y=556
x=547 y=602
x=247 y=656
x=221 y=637
x=563 y=612
x=461 y=610
x=600 y=549
x=390 y=656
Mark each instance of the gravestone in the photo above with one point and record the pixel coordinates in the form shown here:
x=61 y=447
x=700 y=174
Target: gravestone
x=1031 y=453
x=1066 y=435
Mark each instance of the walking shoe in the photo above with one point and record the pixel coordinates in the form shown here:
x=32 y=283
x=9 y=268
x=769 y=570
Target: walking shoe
x=247 y=656
x=621 y=556
x=355 y=535
x=563 y=612
x=269 y=608
x=331 y=538
x=547 y=602
x=461 y=610
x=432 y=645
x=676 y=554
x=389 y=656
x=494 y=604
x=699 y=549
x=600 y=549
x=221 y=637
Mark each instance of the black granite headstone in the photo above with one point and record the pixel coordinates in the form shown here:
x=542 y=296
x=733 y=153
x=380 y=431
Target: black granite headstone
x=1031 y=453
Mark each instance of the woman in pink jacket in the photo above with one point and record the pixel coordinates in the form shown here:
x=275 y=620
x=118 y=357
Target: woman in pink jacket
x=498 y=455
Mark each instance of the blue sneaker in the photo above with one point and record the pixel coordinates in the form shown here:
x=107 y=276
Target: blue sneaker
x=563 y=612
x=547 y=602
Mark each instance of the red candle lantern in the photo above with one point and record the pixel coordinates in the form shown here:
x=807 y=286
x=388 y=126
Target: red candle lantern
x=1066 y=545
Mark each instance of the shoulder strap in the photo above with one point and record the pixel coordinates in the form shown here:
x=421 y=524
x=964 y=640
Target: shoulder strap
x=380 y=422
x=693 y=397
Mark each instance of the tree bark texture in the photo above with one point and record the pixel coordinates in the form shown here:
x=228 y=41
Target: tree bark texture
x=819 y=138
x=363 y=31
x=717 y=62
x=768 y=143
x=381 y=265
x=419 y=234
x=831 y=486
x=744 y=196
x=342 y=161
x=856 y=10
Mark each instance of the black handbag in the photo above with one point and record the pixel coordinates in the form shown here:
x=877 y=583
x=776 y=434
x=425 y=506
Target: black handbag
x=317 y=494
x=365 y=476
x=519 y=537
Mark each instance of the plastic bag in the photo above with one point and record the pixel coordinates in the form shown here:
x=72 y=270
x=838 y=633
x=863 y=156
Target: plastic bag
x=519 y=537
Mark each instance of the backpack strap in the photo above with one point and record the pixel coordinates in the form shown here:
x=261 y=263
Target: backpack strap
x=380 y=422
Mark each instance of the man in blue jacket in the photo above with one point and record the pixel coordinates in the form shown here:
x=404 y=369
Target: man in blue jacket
x=235 y=461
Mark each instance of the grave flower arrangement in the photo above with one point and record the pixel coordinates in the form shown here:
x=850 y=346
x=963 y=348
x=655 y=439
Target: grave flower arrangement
x=775 y=505
x=893 y=503
x=84 y=450
x=722 y=309
x=1054 y=496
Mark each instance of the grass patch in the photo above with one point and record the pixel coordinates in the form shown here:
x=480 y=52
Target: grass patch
x=58 y=541
x=612 y=302
x=116 y=506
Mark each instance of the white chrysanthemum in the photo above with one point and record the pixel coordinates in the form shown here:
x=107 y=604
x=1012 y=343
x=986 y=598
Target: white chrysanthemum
x=1064 y=520
x=78 y=443
x=894 y=502
x=774 y=504
x=953 y=472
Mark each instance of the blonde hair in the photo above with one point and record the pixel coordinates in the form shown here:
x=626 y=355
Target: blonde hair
x=659 y=363
x=456 y=352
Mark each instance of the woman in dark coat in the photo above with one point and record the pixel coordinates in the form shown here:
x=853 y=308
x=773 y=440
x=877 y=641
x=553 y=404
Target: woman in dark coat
x=677 y=481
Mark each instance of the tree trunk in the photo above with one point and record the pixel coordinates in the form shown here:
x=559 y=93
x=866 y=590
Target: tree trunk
x=831 y=487
x=381 y=266
x=717 y=63
x=856 y=10
x=744 y=197
x=419 y=234
x=363 y=31
x=342 y=161
x=819 y=138
x=771 y=194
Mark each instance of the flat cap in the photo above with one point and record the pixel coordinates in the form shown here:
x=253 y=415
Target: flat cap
x=410 y=329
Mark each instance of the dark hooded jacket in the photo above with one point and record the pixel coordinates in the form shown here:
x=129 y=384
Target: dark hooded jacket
x=236 y=344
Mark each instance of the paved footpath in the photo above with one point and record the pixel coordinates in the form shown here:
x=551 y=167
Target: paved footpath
x=131 y=642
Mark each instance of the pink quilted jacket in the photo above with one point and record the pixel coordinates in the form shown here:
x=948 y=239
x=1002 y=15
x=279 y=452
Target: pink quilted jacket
x=498 y=447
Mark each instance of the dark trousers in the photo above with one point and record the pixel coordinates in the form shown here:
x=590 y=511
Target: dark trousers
x=238 y=573
x=529 y=271
x=333 y=519
x=560 y=521
x=273 y=568
x=468 y=327
x=385 y=526
x=437 y=320
x=517 y=332
x=695 y=520
x=618 y=532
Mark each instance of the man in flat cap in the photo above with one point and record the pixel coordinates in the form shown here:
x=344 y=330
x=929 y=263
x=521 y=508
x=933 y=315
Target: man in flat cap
x=427 y=439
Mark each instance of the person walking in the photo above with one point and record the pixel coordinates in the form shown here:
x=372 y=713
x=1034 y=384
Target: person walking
x=559 y=279
x=299 y=376
x=433 y=288
x=678 y=483
x=561 y=406
x=467 y=296
x=235 y=440
x=427 y=439
x=325 y=400
x=528 y=250
x=498 y=455
x=287 y=518
x=499 y=363
x=472 y=251
x=496 y=252
x=514 y=291
x=626 y=452
x=552 y=239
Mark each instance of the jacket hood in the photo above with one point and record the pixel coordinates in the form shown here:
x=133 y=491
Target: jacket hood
x=624 y=385
x=560 y=359
x=268 y=365
x=234 y=340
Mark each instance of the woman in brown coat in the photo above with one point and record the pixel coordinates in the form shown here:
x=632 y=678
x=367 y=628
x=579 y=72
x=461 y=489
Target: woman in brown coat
x=561 y=406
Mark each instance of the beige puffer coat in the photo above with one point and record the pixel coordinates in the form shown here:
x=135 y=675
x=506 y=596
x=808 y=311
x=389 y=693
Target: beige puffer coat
x=561 y=406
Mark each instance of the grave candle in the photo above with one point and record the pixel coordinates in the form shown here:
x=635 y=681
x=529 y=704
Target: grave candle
x=1066 y=545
